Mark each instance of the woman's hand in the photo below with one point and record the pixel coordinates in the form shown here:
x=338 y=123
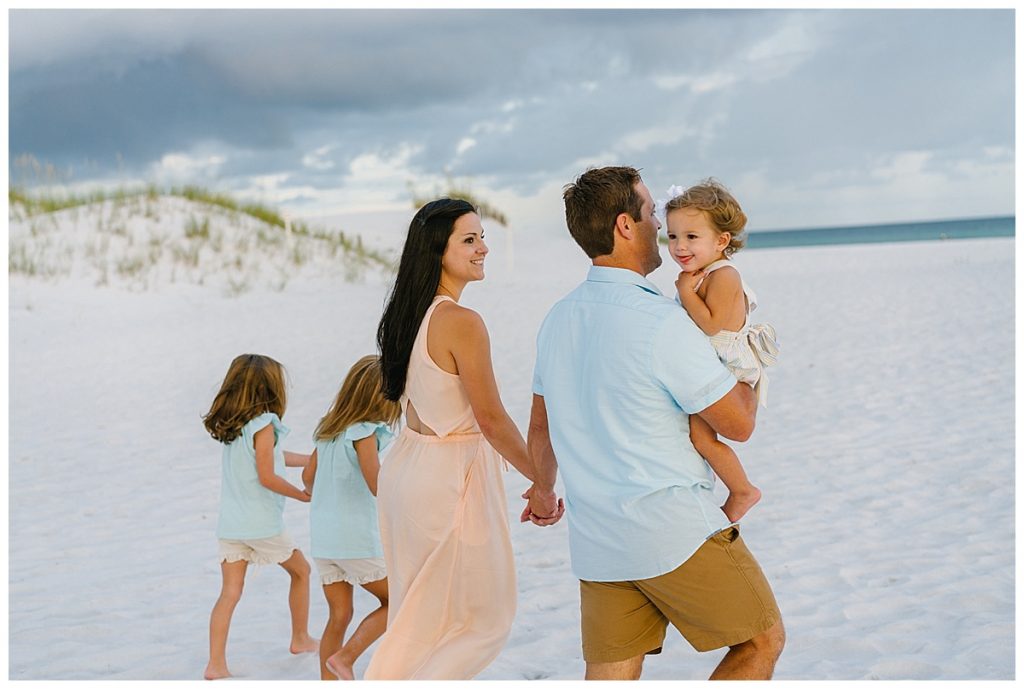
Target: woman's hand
x=543 y=508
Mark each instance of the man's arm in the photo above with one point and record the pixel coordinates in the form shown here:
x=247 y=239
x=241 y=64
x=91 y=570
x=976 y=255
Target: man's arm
x=544 y=507
x=733 y=416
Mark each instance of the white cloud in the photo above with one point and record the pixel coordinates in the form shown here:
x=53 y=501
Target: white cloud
x=697 y=84
x=908 y=186
x=662 y=135
x=997 y=152
x=786 y=49
x=464 y=145
x=265 y=183
x=901 y=165
x=177 y=167
x=494 y=126
x=374 y=167
x=315 y=160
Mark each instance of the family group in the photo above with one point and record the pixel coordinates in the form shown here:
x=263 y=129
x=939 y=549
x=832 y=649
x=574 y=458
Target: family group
x=632 y=393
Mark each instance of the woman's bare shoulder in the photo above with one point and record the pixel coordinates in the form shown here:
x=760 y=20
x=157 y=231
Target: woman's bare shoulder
x=457 y=318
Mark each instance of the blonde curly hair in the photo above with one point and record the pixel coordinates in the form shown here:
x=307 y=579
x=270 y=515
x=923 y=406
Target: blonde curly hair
x=719 y=206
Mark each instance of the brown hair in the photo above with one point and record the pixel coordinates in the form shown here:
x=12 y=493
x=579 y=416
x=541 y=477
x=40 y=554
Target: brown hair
x=720 y=207
x=595 y=200
x=254 y=385
x=361 y=398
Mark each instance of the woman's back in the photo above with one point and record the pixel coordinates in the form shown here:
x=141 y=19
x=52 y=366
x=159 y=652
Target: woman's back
x=437 y=397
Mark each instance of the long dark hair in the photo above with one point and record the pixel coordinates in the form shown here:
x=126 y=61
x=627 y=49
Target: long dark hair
x=419 y=274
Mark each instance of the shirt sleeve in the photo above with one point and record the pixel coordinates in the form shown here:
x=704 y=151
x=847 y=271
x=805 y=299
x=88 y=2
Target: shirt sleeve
x=262 y=421
x=538 y=382
x=685 y=363
x=358 y=431
x=365 y=429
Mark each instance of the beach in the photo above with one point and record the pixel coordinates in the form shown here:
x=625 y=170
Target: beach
x=885 y=456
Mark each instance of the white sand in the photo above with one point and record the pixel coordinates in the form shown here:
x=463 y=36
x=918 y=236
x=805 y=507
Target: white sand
x=886 y=461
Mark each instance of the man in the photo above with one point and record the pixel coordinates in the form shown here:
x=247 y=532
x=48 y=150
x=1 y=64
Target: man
x=619 y=368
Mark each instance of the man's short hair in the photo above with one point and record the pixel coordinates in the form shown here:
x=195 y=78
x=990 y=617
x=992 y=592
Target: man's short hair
x=595 y=200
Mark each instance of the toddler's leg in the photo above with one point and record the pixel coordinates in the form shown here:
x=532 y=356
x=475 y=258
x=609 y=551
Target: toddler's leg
x=298 y=603
x=742 y=493
x=339 y=606
x=369 y=630
x=232 y=580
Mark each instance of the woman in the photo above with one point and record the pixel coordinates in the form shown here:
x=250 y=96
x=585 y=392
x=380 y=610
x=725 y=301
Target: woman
x=441 y=499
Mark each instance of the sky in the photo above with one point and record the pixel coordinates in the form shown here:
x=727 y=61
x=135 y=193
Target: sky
x=811 y=117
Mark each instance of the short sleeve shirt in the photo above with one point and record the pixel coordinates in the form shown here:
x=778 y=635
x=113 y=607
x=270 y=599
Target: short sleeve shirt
x=620 y=367
x=247 y=509
x=343 y=511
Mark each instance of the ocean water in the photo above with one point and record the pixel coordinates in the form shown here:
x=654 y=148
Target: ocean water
x=970 y=228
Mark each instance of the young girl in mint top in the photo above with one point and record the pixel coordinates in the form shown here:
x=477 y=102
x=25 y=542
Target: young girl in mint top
x=246 y=417
x=342 y=476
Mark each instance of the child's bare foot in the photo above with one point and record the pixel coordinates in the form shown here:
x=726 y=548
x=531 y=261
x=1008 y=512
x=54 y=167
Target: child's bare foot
x=739 y=503
x=216 y=672
x=306 y=644
x=339 y=668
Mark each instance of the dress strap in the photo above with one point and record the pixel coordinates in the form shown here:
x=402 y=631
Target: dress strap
x=438 y=298
x=422 y=335
x=747 y=292
x=720 y=263
x=712 y=267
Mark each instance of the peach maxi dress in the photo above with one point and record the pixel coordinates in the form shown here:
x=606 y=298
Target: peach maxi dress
x=444 y=528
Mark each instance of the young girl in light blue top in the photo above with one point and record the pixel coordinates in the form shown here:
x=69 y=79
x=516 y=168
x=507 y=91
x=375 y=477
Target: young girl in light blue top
x=246 y=417
x=342 y=476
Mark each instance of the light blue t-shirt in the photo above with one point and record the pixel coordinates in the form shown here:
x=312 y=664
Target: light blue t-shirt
x=620 y=366
x=247 y=509
x=343 y=511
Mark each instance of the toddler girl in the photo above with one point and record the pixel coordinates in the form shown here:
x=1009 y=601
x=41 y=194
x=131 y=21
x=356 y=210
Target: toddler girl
x=342 y=476
x=705 y=227
x=246 y=417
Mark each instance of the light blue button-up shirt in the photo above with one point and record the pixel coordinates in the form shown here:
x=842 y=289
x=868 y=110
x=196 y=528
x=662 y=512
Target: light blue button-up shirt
x=620 y=367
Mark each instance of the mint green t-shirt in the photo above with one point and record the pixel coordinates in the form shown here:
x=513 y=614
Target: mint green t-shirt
x=343 y=511
x=247 y=509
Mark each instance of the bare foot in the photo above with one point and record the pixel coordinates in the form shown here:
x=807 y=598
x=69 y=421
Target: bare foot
x=739 y=503
x=216 y=672
x=305 y=645
x=339 y=668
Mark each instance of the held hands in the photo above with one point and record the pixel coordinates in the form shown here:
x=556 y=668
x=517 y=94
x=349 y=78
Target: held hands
x=543 y=508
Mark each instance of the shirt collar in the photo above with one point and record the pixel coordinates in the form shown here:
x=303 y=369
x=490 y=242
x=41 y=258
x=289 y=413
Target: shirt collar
x=622 y=276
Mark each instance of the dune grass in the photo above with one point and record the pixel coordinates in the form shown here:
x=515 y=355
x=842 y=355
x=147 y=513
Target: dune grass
x=41 y=203
x=198 y=249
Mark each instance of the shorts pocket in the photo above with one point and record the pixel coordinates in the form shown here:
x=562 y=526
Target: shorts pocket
x=727 y=535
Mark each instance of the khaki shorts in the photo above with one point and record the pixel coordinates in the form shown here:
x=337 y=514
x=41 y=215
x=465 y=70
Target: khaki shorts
x=257 y=551
x=352 y=571
x=719 y=597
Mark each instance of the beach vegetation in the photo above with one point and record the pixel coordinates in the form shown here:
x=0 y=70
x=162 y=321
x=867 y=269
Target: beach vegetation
x=195 y=229
x=220 y=238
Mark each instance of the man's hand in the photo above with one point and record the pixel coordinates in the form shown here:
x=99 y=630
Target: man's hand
x=543 y=508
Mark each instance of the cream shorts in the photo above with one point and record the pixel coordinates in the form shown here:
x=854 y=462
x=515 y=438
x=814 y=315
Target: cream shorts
x=356 y=572
x=258 y=551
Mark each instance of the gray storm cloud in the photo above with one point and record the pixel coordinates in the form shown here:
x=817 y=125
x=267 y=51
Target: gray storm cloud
x=515 y=97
